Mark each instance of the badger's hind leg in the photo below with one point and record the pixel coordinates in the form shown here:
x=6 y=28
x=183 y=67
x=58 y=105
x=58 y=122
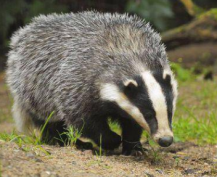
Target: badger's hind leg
x=55 y=133
x=22 y=119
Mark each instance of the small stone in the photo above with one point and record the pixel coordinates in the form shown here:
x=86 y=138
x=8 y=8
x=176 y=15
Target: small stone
x=38 y=160
x=29 y=154
x=48 y=172
x=74 y=163
x=37 y=175
x=148 y=174
x=88 y=152
x=186 y=158
x=190 y=171
x=159 y=171
x=175 y=156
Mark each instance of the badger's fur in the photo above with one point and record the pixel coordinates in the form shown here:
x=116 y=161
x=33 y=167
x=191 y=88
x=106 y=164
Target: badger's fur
x=87 y=67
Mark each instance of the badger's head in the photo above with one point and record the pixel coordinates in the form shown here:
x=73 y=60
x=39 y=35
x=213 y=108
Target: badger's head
x=149 y=98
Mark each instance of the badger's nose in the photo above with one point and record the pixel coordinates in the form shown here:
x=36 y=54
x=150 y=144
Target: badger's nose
x=165 y=141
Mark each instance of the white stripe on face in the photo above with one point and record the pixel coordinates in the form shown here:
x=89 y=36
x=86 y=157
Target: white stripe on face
x=174 y=87
x=110 y=92
x=158 y=100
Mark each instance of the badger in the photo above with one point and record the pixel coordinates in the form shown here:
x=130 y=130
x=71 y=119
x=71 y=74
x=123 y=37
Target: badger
x=89 y=67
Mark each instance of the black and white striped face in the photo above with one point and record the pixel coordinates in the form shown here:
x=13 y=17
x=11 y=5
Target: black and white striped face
x=150 y=100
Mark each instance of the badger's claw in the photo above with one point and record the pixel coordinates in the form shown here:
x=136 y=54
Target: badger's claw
x=135 y=152
x=135 y=149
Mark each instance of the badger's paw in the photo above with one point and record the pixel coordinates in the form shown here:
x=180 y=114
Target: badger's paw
x=133 y=149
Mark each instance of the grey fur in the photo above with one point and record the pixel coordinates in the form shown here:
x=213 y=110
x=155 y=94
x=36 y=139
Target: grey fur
x=57 y=62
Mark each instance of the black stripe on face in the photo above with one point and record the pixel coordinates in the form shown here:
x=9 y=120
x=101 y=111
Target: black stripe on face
x=166 y=86
x=138 y=96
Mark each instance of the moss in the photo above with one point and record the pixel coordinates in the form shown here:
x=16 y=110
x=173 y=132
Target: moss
x=210 y=14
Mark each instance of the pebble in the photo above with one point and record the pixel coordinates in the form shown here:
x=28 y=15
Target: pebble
x=159 y=171
x=38 y=160
x=74 y=163
x=29 y=154
x=175 y=156
x=148 y=174
x=190 y=171
x=186 y=158
x=48 y=172
x=88 y=152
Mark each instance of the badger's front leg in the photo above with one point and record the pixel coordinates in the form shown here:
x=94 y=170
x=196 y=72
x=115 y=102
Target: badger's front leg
x=131 y=134
x=101 y=134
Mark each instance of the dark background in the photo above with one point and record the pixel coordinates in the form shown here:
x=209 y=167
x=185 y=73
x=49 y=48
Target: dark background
x=162 y=14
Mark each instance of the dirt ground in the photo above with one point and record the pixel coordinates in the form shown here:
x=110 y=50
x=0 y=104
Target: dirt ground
x=181 y=159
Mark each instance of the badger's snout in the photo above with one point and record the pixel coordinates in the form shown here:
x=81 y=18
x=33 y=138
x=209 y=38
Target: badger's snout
x=163 y=138
x=165 y=141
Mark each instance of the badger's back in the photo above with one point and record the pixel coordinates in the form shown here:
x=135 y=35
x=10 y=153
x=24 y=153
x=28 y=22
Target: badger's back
x=55 y=60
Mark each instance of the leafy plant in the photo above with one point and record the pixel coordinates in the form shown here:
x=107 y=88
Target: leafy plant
x=72 y=134
x=154 y=11
x=201 y=130
x=16 y=13
x=182 y=74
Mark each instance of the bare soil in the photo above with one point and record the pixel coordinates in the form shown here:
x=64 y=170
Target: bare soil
x=181 y=159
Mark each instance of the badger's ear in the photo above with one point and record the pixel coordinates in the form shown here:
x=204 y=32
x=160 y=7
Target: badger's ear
x=130 y=84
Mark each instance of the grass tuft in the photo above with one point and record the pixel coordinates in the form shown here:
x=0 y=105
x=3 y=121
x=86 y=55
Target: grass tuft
x=72 y=134
x=201 y=130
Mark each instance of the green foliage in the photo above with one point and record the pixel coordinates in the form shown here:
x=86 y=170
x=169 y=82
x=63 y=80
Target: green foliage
x=34 y=138
x=196 y=115
x=201 y=130
x=25 y=143
x=181 y=73
x=154 y=11
x=43 y=7
x=20 y=12
x=210 y=14
x=114 y=126
x=38 y=138
x=8 y=13
x=73 y=135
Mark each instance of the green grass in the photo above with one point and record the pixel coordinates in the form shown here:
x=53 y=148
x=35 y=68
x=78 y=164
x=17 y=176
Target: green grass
x=196 y=115
x=201 y=131
x=72 y=134
x=35 y=138
x=23 y=141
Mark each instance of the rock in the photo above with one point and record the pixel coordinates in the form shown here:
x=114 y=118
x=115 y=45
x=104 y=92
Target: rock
x=148 y=174
x=190 y=171
x=29 y=154
x=88 y=153
x=159 y=171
